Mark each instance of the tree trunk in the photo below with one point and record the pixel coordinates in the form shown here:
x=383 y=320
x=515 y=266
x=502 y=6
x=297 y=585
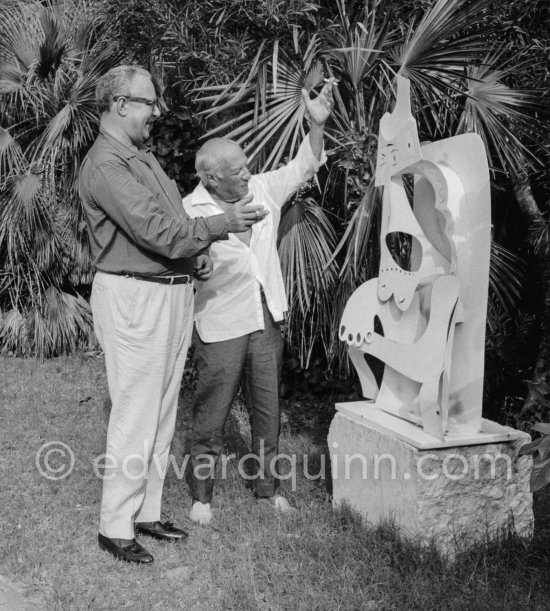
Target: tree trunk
x=525 y=198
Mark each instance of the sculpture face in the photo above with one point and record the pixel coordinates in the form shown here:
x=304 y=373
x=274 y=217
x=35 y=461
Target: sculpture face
x=432 y=314
x=398 y=144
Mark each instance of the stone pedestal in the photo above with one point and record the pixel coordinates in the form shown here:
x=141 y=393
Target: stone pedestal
x=451 y=495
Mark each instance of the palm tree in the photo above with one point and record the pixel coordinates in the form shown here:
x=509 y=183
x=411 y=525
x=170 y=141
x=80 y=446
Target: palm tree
x=51 y=55
x=460 y=75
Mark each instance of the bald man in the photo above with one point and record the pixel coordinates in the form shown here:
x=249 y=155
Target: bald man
x=238 y=310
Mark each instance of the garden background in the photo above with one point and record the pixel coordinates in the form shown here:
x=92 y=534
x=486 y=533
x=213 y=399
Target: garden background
x=236 y=68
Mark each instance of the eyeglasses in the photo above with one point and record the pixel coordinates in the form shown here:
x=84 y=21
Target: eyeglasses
x=148 y=102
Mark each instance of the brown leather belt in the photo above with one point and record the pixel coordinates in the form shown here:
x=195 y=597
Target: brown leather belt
x=184 y=279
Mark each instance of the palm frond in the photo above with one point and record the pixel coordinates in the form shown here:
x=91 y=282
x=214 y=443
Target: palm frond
x=243 y=87
x=51 y=55
x=66 y=320
x=358 y=50
x=278 y=123
x=11 y=155
x=499 y=114
x=21 y=32
x=12 y=77
x=102 y=56
x=506 y=274
x=20 y=203
x=53 y=43
x=434 y=52
x=539 y=236
x=13 y=334
x=27 y=228
x=447 y=37
x=357 y=236
x=305 y=243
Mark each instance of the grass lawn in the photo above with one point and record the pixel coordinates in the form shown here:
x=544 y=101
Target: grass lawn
x=251 y=559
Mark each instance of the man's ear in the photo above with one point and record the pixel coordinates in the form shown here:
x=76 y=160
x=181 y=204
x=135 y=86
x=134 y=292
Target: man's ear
x=122 y=107
x=211 y=179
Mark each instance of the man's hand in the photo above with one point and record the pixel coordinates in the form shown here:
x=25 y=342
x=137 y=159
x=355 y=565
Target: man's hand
x=242 y=215
x=203 y=267
x=319 y=109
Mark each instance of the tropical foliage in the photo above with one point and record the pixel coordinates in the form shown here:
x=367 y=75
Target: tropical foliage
x=237 y=68
x=50 y=58
x=461 y=72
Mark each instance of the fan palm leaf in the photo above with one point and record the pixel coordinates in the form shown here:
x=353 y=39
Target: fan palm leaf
x=54 y=41
x=498 y=113
x=449 y=35
x=13 y=336
x=355 y=54
x=433 y=54
x=20 y=31
x=11 y=155
x=51 y=55
x=305 y=244
x=505 y=277
x=273 y=118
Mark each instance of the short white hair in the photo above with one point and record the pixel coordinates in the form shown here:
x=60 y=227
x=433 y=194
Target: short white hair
x=209 y=156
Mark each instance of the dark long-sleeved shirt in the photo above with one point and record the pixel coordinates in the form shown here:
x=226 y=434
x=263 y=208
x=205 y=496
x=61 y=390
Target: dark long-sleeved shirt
x=136 y=222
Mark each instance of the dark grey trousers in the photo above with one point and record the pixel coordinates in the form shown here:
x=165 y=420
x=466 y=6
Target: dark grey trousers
x=255 y=361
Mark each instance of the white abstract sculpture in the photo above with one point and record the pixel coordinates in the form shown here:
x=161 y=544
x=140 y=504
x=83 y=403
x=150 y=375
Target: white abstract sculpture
x=432 y=315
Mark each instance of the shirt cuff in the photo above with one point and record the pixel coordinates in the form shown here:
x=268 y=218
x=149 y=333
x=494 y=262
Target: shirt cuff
x=217 y=227
x=311 y=159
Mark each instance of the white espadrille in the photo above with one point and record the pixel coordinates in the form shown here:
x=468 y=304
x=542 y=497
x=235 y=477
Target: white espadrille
x=201 y=513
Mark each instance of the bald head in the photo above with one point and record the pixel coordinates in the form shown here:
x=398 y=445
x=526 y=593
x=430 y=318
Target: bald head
x=214 y=154
x=221 y=165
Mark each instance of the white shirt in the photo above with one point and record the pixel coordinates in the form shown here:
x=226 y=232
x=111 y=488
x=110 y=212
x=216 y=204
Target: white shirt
x=228 y=304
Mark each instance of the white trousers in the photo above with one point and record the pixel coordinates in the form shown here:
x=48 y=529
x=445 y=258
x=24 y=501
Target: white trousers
x=144 y=329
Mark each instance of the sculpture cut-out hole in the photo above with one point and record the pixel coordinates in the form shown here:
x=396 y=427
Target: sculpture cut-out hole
x=376 y=366
x=401 y=247
x=408 y=186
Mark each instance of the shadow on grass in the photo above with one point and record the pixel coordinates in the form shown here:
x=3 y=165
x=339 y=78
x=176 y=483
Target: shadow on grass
x=505 y=572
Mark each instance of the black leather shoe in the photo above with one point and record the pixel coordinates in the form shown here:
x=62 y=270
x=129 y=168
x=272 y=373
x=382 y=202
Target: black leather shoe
x=165 y=531
x=125 y=549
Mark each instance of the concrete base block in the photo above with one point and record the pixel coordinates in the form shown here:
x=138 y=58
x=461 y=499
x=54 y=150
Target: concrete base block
x=453 y=496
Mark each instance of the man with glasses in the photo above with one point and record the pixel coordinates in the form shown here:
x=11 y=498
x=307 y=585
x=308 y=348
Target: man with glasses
x=146 y=251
